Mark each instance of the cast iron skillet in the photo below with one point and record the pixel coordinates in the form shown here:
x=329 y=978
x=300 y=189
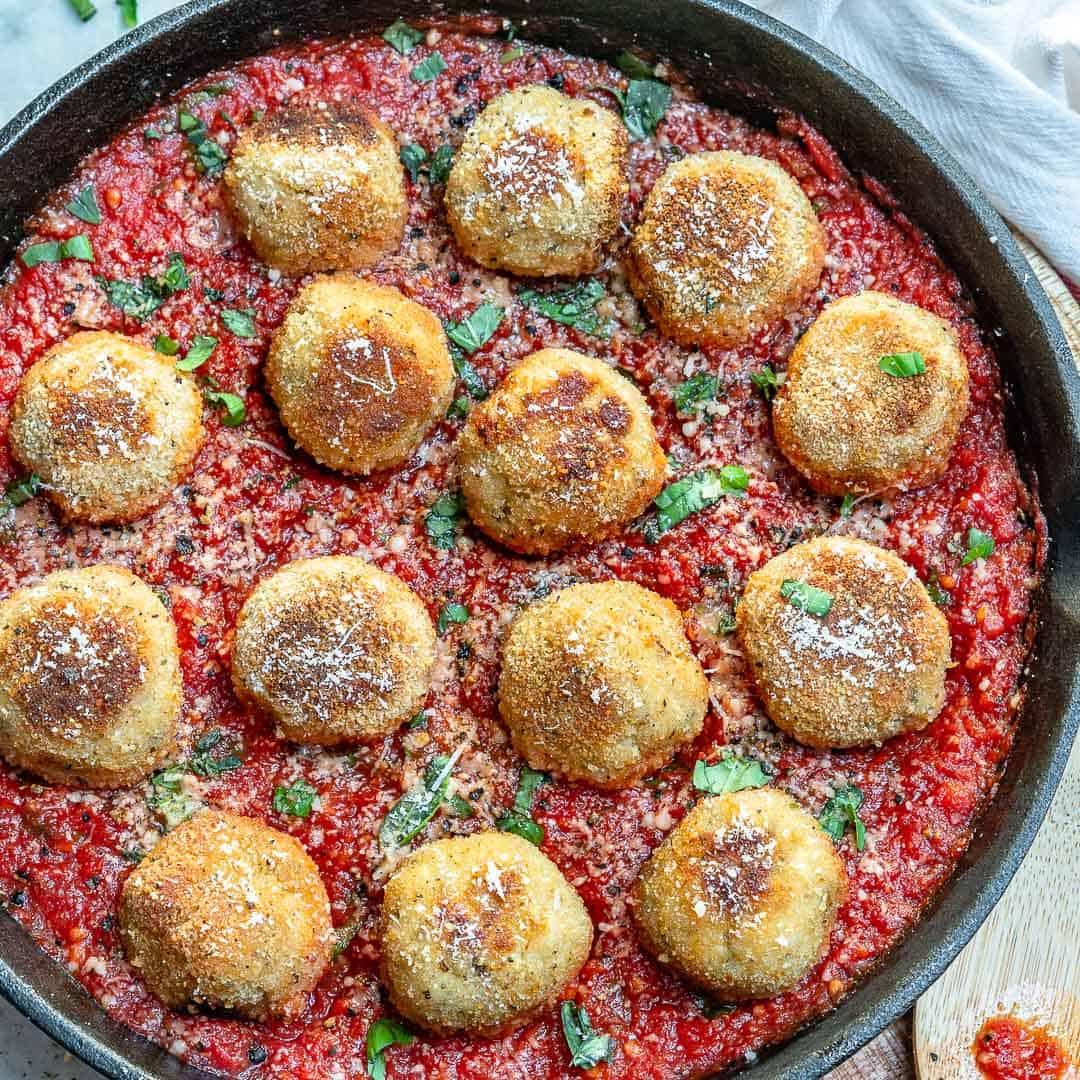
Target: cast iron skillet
x=720 y=44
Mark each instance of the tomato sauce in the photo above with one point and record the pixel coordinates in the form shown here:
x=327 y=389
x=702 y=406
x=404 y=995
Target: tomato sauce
x=253 y=502
x=1008 y=1048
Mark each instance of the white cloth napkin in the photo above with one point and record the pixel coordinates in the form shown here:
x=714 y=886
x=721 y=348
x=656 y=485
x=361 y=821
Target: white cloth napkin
x=997 y=81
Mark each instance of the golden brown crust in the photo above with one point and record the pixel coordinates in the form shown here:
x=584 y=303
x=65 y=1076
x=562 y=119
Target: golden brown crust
x=227 y=913
x=851 y=428
x=318 y=188
x=333 y=650
x=359 y=372
x=90 y=686
x=726 y=244
x=742 y=896
x=538 y=184
x=479 y=934
x=564 y=450
x=872 y=668
x=109 y=425
x=599 y=684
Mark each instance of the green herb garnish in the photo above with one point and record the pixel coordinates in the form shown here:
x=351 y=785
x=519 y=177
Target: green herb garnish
x=510 y=55
x=428 y=70
x=692 y=493
x=730 y=773
x=168 y=799
x=451 y=614
x=766 y=382
x=142 y=300
x=698 y=388
x=587 y=1049
x=441 y=160
x=940 y=596
x=633 y=67
x=402 y=36
x=233 y=404
x=408 y=816
x=84 y=206
x=198 y=353
x=241 y=323
x=903 y=365
x=847 y=504
x=53 y=251
x=83 y=8
x=129 y=11
x=210 y=156
x=842 y=811
x=380 y=1037
x=980 y=545
x=412 y=157
x=204 y=762
x=518 y=819
x=166 y=345
x=644 y=105
x=806 y=598
x=476 y=329
x=442 y=520
x=296 y=800
x=22 y=490
x=574 y=305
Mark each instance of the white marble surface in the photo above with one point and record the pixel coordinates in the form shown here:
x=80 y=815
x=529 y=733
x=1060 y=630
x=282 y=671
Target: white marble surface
x=41 y=40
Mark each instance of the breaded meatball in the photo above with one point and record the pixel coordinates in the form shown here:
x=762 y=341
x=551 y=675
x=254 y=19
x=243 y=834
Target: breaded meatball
x=109 y=425
x=227 y=913
x=333 y=650
x=479 y=933
x=318 y=188
x=564 y=450
x=855 y=659
x=742 y=896
x=538 y=184
x=726 y=244
x=848 y=426
x=90 y=686
x=599 y=684
x=359 y=372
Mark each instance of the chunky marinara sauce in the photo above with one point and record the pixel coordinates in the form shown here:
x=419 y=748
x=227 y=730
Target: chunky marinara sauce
x=252 y=503
x=1008 y=1048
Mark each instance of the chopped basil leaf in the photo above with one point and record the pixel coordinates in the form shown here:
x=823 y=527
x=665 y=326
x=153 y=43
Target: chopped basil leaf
x=412 y=157
x=402 y=36
x=451 y=613
x=344 y=934
x=458 y=407
x=573 y=305
x=518 y=819
x=167 y=345
x=141 y=301
x=210 y=157
x=22 y=490
x=903 y=365
x=766 y=382
x=52 y=251
x=168 y=799
x=980 y=545
x=510 y=55
x=408 y=816
x=428 y=69
x=380 y=1036
x=692 y=493
x=730 y=773
x=462 y=807
x=940 y=596
x=83 y=8
x=241 y=323
x=129 y=11
x=841 y=811
x=204 y=763
x=847 y=504
x=84 y=206
x=151 y=134
x=633 y=67
x=644 y=106
x=443 y=518
x=698 y=388
x=77 y=247
x=233 y=404
x=726 y=624
x=475 y=331
x=212 y=293
x=469 y=376
x=587 y=1049
x=441 y=160
x=198 y=352
x=295 y=800
x=806 y=598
